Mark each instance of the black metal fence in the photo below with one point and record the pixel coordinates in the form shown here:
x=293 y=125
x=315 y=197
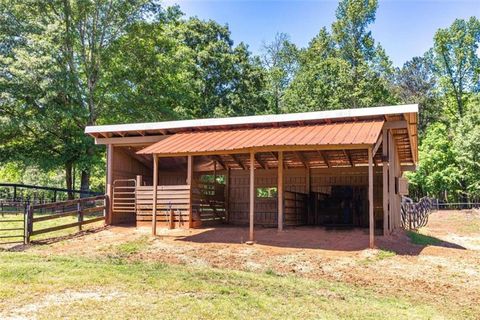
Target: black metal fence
x=16 y=192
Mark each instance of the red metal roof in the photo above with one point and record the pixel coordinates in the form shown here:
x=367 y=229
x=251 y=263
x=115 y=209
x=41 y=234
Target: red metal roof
x=329 y=134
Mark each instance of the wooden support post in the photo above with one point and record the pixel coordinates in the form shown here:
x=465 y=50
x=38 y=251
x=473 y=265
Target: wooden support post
x=280 y=191
x=138 y=183
x=252 y=194
x=155 y=191
x=227 y=195
x=386 y=228
x=370 y=199
x=80 y=215
x=391 y=182
x=109 y=191
x=190 y=183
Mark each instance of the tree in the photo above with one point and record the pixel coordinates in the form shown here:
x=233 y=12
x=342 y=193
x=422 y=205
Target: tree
x=416 y=83
x=181 y=69
x=456 y=61
x=52 y=66
x=438 y=174
x=280 y=59
x=344 y=69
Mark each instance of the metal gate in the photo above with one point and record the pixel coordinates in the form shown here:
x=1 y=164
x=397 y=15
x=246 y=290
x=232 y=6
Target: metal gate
x=123 y=199
x=12 y=222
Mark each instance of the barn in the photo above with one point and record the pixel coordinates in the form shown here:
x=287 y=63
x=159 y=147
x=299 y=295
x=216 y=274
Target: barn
x=334 y=169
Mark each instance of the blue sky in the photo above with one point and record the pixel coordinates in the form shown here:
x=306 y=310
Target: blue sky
x=404 y=28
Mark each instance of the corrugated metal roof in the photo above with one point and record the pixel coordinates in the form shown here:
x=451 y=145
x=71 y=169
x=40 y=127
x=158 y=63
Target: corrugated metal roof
x=338 y=133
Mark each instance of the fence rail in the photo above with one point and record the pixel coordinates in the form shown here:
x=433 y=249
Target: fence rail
x=81 y=208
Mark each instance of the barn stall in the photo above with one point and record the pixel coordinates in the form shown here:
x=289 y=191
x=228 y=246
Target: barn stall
x=337 y=169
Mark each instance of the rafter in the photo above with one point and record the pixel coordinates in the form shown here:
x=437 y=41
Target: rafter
x=302 y=159
x=349 y=157
x=220 y=161
x=237 y=161
x=262 y=164
x=324 y=157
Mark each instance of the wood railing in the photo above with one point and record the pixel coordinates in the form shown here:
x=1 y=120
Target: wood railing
x=92 y=208
x=208 y=203
x=173 y=205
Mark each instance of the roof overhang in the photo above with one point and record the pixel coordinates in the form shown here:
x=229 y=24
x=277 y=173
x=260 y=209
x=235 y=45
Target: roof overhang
x=171 y=127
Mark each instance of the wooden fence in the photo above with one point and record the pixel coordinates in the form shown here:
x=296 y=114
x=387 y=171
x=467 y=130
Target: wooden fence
x=208 y=203
x=173 y=205
x=92 y=208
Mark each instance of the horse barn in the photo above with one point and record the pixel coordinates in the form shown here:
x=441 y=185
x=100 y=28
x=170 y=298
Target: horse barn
x=336 y=169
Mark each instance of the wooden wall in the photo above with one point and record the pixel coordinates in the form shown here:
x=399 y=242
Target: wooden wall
x=127 y=167
x=321 y=180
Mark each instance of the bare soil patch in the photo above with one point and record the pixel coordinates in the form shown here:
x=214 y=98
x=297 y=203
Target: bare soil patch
x=445 y=273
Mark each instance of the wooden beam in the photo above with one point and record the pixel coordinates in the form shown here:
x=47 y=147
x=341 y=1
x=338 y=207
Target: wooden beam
x=302 y=159
x=155 y=191
x=140 y=158
x=280 y=191
x=124 y=141
x=237 y=161
x=252 y=194
x=109 y=190
x=190 y=183
x=370 y=200
x=220 y=161
x=349 y=157
x=270 y=149
x=227 y=195
x=400 y=124
x=324 y=157
x=377 y=145
x=391 y=180
x=260 y=163
x=386 y=229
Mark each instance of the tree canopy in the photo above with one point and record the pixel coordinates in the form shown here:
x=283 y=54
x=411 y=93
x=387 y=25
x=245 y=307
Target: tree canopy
x=68 y=64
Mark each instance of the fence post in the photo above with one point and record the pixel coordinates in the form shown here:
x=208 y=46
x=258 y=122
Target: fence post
x=80 y=215
x=29 y=223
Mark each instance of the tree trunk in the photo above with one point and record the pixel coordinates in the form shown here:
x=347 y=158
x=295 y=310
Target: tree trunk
x=85 y=182
x=68 y=180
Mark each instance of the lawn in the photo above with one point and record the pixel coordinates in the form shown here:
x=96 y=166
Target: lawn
x=114 y=287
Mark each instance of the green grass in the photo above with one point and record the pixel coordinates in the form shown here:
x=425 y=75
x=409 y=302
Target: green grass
x=147 y=290
x=421 y=239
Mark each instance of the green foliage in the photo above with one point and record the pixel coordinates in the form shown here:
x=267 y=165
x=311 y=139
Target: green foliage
x=68 y=64
x=344 y=69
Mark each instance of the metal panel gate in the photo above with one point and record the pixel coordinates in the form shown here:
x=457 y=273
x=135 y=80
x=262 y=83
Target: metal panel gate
x=124 y=205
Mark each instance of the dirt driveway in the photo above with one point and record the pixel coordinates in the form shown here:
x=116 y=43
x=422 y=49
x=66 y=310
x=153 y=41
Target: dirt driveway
x=447 y=269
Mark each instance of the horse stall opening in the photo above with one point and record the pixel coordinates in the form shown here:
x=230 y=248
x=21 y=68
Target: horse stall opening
x=330 y=197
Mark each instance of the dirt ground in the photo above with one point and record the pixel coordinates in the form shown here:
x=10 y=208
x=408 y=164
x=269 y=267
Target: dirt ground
x=448 y=270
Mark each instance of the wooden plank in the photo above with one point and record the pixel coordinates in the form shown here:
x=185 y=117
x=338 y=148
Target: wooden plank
x=280 y=193
x=66 y=226
x=154 y=198
x=391 y=180
x=386 y=229
x=252 y=194
x=370 y=199
x=55 y=216
x=269 y=149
